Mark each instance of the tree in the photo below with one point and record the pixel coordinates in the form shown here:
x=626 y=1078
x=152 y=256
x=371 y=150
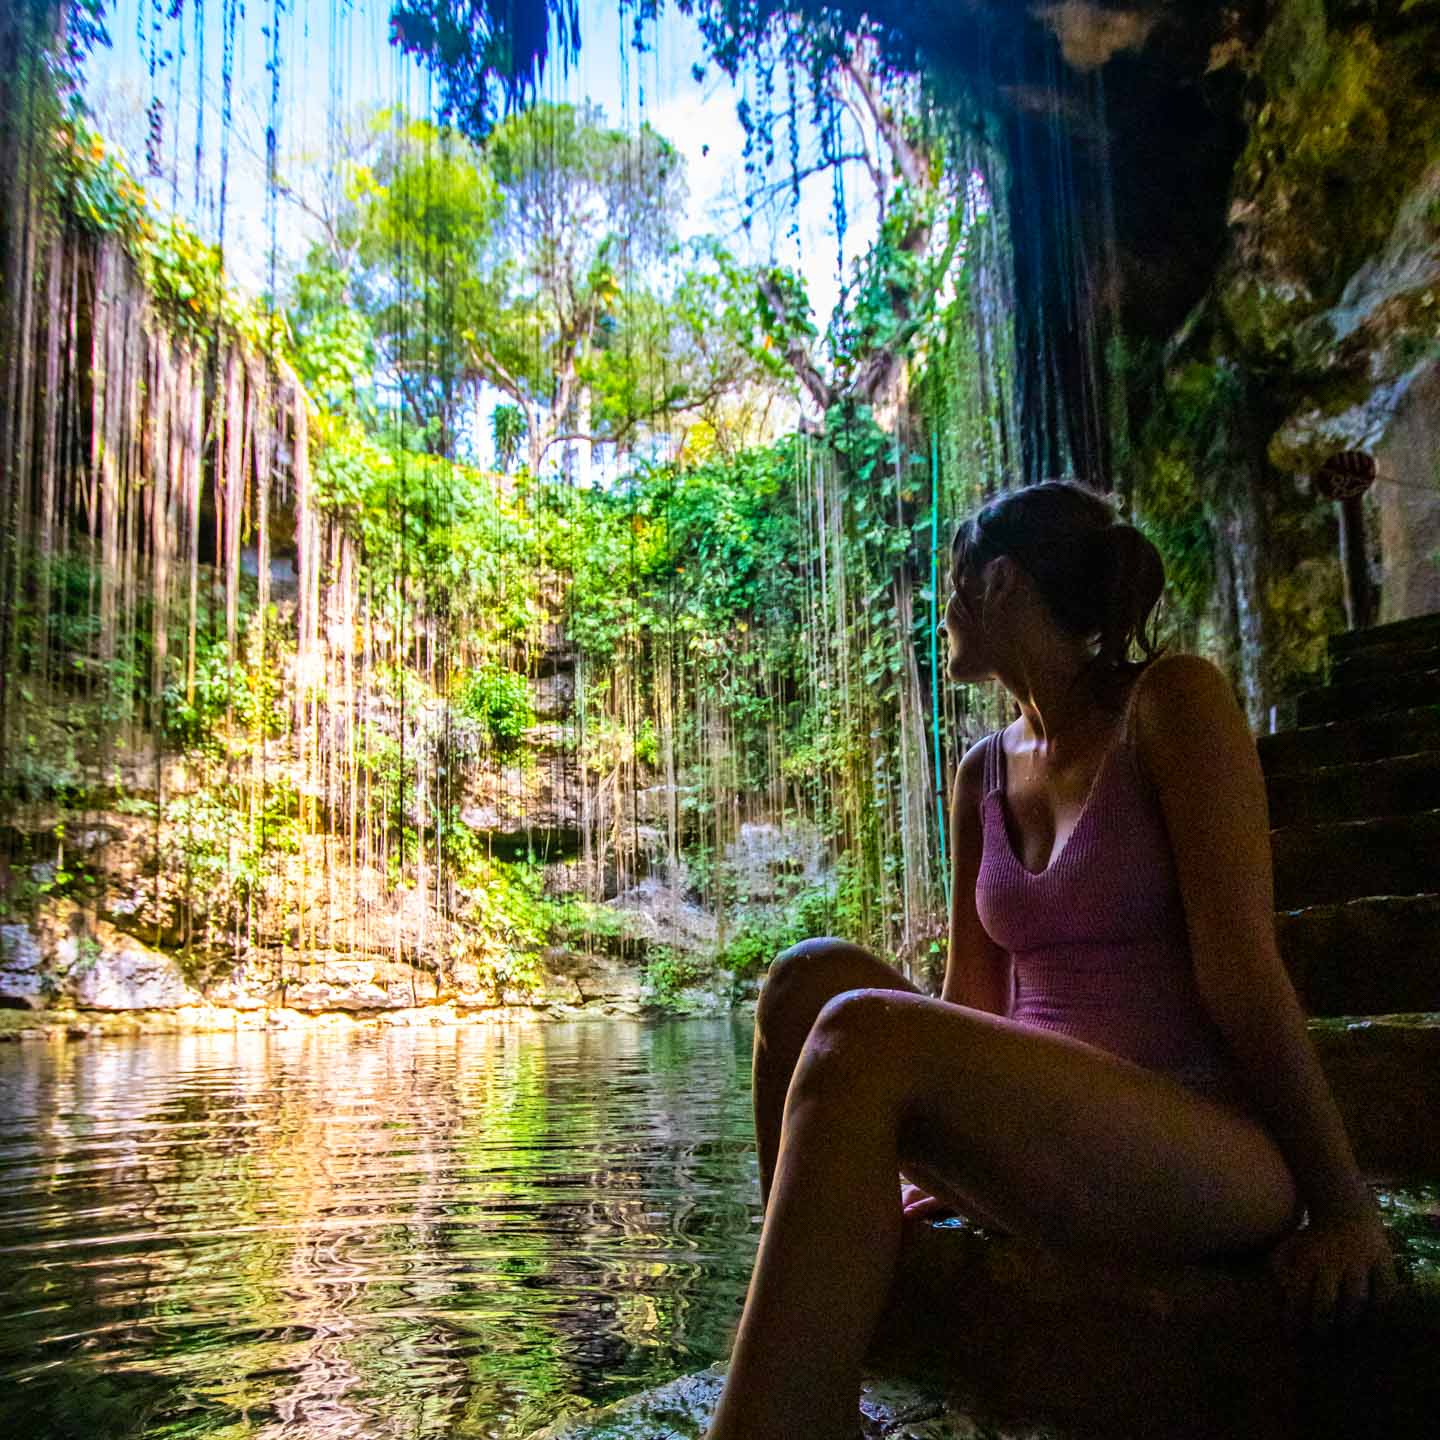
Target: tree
x=543 y=264
x=498 y=265
x=425 y=218
x=843 y=55
x=892 y=298
x=692 y=352
x=587 y=211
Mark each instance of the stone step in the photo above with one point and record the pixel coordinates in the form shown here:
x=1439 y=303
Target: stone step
x=1375 y=956
x=1401 y=785
x=1383 y=662
x=1419 y=629
x=1109 y=1350
x=1346 y=742
x=1036 y=1343
x=1384 y=1071
x=1323 y=864
x=1367 y=697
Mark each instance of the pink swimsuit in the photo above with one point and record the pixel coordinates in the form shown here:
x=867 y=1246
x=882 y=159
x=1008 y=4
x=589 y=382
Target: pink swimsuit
x=1097 y=942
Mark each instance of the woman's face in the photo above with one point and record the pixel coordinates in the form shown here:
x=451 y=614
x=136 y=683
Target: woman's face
x=963 y=630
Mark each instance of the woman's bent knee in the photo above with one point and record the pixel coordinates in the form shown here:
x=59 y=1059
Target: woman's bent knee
x=820 y=951
x=803 y=977
x=855 y=1047
x=811 y=972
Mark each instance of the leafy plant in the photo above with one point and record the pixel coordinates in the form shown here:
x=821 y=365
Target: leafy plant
x=498 y=699
x=669 y=973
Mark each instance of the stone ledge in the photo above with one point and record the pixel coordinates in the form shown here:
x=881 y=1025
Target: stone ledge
x=889 y=1409
x=1402 y=732
x=992 y=1338
x=1194 y=1352
x=83 y=1024
x=1379 y=955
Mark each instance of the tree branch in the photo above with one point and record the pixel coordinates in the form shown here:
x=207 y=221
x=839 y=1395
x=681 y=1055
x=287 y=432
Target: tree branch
x=483 y=360
x=911 y=160
x=796 y=354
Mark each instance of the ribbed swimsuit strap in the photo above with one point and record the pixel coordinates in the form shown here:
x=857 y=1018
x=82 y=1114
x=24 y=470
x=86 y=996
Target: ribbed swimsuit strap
x=994 y=759
x=1127 y=730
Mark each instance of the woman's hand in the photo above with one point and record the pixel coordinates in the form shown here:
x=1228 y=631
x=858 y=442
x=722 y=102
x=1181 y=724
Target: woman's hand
x=1332 y=1269
x=915 y=1201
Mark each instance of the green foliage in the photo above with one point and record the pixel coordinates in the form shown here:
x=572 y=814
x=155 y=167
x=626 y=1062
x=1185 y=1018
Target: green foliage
x=95 y=185
x=699 y=344
x=223 y=692
x=40 y=867
x=505 y=265
x=429 y=528
x=784 y=313
x=69 y=624
x=386 y=778
x=894 y=299
x=483 y=52
x=507 y=432
x=499 y=700
x=423 y=227
x=669 y=973
x=586 y=925
x=1306 y=607
x=707 y=553
x=184 y=274
x=334 y=348
x=508 y=907
x=1188 y=442
x=1171 y=512
x=752 y=949
x=221 y=851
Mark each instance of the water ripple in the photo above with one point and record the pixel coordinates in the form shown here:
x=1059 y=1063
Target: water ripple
x=403 y=1233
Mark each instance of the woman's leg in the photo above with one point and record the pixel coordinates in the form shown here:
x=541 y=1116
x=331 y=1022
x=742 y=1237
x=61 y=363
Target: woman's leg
x=1061 y=1141
x=800 y=982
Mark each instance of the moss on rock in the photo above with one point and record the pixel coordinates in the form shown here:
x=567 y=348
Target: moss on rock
x=1346 y=122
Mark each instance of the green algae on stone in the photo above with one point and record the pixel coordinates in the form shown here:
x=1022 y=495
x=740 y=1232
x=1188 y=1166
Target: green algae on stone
x=1412 y=1219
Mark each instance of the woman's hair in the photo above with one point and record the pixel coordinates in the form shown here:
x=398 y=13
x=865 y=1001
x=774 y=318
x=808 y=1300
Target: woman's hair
x=1100 y=578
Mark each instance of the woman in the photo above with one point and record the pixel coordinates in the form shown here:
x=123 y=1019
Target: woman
x=1118 y=1062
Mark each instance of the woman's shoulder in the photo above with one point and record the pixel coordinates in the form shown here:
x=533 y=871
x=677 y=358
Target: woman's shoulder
x=1184 y=709
x=1175 y=681
x=974 y=768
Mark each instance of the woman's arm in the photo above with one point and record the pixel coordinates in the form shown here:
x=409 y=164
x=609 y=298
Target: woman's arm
x=1195 y=746
x=977 y=971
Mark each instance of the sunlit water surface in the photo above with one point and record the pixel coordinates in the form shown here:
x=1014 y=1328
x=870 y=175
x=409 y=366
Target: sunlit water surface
x=462 y=1232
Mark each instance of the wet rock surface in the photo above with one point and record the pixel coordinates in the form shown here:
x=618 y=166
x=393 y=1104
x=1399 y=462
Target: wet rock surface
x=22 y=977
x=351 y=943
x=890 y=1409
x=111 y=971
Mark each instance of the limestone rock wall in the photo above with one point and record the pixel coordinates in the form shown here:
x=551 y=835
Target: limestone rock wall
x=107 y=953
x=1320 y=332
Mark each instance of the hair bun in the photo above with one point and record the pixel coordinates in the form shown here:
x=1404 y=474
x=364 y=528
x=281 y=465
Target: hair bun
x=1099 y=577
x=1133 y=578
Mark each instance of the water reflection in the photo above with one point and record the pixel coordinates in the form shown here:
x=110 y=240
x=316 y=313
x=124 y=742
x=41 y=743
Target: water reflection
x=463 y=1232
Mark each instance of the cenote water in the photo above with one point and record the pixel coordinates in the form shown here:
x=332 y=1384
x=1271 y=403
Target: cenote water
x=461 y=1232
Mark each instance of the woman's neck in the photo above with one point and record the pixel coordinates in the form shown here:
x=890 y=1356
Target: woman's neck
x=1048 y=684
